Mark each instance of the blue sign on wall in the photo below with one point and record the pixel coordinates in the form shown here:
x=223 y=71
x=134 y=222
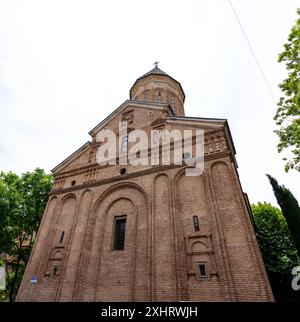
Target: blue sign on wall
x=34 y=279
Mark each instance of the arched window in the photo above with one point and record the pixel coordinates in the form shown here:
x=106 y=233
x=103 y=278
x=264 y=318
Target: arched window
x=196 y=223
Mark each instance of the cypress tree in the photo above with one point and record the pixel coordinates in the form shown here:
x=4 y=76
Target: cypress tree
x=290 y=209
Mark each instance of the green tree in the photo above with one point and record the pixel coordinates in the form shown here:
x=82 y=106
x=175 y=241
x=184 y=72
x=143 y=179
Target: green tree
x=35 y=187
x=10 y=212
x=277 y=248
x=290 y=209
x=10 y=202
x=274 y=238
x=287 y=116
x=22 y=203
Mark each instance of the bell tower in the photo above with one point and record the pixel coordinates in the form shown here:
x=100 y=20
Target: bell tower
x=157 y=86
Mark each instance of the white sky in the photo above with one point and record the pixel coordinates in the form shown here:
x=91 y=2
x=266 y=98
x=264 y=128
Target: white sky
x=65 y=65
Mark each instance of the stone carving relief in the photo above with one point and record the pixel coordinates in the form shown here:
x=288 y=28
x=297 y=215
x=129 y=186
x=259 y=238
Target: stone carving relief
x=128 y=117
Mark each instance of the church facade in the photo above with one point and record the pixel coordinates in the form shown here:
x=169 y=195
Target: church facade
x=148 y=232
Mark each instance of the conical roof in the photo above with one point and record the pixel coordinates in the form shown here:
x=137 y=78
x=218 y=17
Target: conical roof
x=154 y=71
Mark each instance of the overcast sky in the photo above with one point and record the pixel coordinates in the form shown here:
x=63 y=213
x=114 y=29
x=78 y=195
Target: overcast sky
x=66 y=65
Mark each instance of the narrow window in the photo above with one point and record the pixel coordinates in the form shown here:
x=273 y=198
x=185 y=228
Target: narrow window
x=119 y=235
x=62 y=237
x=159 y=97
x=196 y=223
x=202 y=270
x=55 y=271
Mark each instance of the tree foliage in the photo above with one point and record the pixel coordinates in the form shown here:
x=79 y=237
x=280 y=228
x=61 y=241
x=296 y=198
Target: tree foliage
x=277 y=248
x=290 y=209
x=274 y=238
x=22 y=203
x=288 y=108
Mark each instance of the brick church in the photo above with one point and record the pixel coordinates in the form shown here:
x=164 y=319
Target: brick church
x=148 y=232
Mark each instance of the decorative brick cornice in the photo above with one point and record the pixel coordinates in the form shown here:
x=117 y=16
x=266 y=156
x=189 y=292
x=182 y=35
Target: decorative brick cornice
x=151 y=170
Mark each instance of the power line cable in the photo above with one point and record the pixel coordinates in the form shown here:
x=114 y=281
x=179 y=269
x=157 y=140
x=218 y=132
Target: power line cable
x=252 y=51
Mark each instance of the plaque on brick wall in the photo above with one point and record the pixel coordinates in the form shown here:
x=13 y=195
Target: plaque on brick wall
x=34 y=279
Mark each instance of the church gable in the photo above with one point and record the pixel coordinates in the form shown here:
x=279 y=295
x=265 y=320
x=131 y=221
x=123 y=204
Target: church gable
x=137 y=116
